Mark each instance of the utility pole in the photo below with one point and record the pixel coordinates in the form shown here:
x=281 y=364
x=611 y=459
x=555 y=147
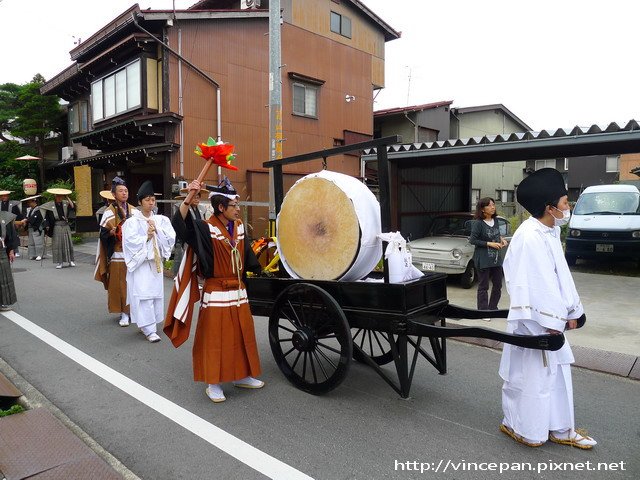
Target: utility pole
x=275 y=103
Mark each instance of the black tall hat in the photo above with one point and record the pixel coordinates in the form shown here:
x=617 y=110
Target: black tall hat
x=115 y=182
x=145 y=190
x=543 y=187
x=225 y=189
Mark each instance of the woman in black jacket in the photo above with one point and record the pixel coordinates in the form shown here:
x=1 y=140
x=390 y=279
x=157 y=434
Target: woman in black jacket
x=485 y=235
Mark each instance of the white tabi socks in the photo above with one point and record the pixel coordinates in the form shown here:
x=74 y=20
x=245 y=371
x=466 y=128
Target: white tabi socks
x=124 y=320
x=215 y=393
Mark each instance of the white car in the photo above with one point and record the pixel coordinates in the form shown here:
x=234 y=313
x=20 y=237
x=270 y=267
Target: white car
x=446 y=247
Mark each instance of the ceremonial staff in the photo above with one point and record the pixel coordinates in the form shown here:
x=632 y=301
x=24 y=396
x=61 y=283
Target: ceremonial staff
x=213 y=152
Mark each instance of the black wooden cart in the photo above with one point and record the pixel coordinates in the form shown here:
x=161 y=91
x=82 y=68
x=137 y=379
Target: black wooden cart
x=317 y=327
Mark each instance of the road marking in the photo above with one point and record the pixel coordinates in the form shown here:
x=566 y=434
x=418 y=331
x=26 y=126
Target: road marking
x=247 y=454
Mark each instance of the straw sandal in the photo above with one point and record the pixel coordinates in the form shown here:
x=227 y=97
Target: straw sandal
x=577 y=438
x=508 y=431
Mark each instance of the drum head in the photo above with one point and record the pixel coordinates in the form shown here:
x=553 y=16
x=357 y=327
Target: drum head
x=318 y=230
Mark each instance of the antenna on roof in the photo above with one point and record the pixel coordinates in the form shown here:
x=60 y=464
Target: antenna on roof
x=408 y=84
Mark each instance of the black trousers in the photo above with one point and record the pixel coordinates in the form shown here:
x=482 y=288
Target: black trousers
x=495 y=275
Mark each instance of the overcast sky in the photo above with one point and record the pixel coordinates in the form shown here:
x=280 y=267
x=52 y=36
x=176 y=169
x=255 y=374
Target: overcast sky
x=554 y=63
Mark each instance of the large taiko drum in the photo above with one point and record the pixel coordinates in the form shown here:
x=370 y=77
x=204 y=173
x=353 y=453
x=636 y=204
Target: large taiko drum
x=328 y=228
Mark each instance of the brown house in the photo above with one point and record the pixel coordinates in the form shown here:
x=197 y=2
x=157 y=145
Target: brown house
x=143 y=91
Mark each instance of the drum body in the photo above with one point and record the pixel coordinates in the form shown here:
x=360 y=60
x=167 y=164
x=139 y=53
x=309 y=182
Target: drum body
x=328 y=228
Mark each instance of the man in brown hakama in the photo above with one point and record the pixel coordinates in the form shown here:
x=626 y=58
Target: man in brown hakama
x=225 y=348
x=110 y=267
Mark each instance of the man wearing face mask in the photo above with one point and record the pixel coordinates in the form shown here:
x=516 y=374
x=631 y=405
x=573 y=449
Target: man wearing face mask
x=537 y=394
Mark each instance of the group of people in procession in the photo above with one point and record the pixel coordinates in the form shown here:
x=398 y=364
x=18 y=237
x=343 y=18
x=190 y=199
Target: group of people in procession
x=135 y=241
x=50 y=219
x=537 y=394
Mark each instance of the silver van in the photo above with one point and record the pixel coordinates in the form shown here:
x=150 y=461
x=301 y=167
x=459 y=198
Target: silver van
x=605 y=223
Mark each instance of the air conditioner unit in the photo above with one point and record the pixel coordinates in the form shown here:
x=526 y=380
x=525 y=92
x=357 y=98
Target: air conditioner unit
x=244 y=4
x=67 y=153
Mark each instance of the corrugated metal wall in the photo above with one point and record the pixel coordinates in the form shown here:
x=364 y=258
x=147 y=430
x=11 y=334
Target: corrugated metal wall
x=424 y=192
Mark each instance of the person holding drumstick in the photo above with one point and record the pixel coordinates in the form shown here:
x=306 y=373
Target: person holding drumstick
x=224 y=348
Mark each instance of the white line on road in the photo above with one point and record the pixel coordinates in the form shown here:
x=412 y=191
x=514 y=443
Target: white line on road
x=247 y=454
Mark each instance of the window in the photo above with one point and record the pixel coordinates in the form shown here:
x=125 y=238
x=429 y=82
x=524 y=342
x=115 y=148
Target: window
x=475 y=196
x=117 y=92
x=335 y=22
x=78 y=118
x=549 y=163
x=340 y=24
x=305 y=100
x=96 y=100
x=612 y=164
x=109 y=96
x=504 y=196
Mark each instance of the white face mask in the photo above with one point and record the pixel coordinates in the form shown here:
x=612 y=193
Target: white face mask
x=566 y=215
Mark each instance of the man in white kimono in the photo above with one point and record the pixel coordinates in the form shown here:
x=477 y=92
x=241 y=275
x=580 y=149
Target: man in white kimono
x=147 y=240
x=537 y=394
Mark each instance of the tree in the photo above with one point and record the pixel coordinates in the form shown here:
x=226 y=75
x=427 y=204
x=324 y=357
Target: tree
x=37 y=115
x=29 y=115
x=8 y=107
x=12 y=171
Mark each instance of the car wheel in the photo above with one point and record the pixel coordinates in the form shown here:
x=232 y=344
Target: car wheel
x=571 y=259
x=468 y=278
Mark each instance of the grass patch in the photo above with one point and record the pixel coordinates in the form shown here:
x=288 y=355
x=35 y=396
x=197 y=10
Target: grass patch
x=11 y=411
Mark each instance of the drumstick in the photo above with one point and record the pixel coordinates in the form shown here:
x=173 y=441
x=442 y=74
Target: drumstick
x=205 y=169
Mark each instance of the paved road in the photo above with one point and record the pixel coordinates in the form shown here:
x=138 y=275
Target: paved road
x=610 y=302
x=361 y=430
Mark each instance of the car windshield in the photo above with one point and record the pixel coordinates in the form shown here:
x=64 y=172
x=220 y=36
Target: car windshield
x=451 y=225
x=608 y=203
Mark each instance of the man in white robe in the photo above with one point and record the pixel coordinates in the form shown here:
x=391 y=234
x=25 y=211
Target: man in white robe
x=147 y=241
x=537 y=394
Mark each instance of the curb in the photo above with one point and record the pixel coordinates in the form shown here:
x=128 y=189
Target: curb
x=614 y=363
x=32 y=399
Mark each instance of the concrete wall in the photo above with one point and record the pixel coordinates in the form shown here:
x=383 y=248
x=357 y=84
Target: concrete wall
x=436 y=120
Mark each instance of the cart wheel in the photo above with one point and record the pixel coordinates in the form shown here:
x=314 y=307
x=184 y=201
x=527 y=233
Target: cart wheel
x=310 y=338
x=373 y=343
